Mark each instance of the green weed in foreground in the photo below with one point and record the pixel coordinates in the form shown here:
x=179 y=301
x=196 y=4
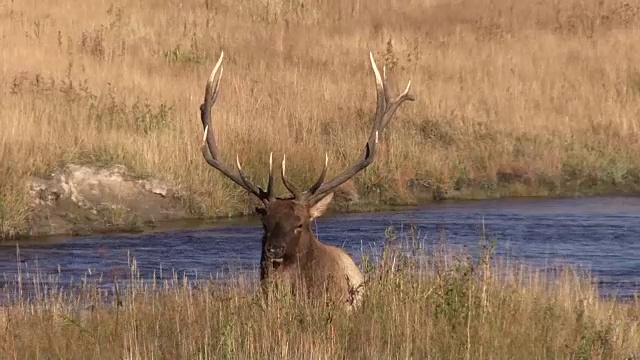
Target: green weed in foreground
x=441 y=306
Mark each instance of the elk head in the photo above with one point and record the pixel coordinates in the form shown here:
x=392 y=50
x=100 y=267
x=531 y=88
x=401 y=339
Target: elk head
x=286 y=220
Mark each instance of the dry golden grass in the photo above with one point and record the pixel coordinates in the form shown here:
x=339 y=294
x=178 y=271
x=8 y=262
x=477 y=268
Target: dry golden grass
x=446 y=306
x=513 y=97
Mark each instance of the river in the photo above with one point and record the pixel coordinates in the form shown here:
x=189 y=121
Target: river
x=601 y=234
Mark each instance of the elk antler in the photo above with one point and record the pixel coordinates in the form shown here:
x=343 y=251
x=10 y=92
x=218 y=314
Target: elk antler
x=210 y=149
x=385 y=109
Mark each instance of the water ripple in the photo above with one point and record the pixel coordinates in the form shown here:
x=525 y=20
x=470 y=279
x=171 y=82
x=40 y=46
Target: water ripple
x=597 y=233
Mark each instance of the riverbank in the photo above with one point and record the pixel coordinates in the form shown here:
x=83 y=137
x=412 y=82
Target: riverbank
x=82 y=200
x=512 y=99
x=444 y=305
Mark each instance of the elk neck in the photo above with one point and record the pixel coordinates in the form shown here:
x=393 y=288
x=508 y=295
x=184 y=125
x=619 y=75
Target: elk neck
x=306 y=247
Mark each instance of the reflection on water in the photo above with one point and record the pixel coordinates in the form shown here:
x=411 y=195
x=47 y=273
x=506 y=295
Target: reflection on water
x=598 y=233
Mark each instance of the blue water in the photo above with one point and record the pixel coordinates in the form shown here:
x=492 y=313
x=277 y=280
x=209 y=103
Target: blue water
x=600 y=234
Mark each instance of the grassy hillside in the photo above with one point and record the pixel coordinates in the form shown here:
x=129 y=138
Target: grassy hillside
x=513 y=97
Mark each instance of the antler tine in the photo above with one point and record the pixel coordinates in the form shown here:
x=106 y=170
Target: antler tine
x=381 y=93
x=320 y=180
x=270 y=196
x=209 y=147
x=292 y=188
x=391 y=109
x=385 y=109
x=247 y=184
x=210 y=96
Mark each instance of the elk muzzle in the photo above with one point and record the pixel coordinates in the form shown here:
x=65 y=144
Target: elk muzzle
x=274 y=251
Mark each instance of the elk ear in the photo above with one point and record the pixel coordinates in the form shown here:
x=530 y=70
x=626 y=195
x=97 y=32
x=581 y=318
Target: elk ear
x=320 y=207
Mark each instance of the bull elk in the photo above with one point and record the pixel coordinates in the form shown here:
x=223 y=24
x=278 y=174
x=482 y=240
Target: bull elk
x=290 y=250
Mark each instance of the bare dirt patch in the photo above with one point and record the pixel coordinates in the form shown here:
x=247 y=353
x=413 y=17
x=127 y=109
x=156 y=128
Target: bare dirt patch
x=82 y=199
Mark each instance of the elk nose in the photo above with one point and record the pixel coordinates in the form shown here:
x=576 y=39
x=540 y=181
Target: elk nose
x=275 y=250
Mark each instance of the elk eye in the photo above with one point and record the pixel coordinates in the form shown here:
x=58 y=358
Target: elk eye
x=298 y=229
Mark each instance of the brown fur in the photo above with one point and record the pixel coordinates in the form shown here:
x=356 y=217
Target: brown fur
x=307 y=265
